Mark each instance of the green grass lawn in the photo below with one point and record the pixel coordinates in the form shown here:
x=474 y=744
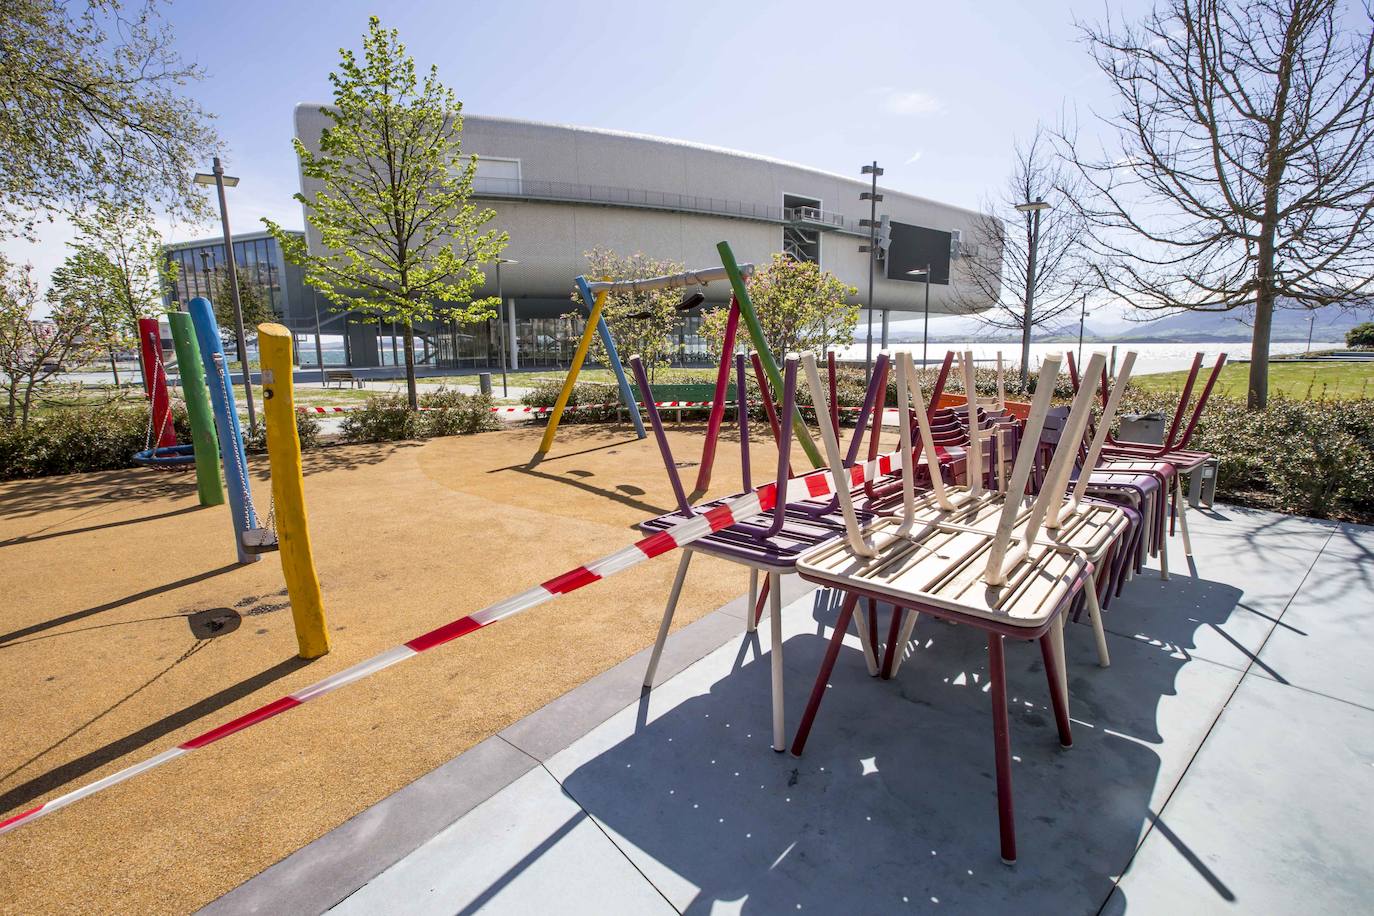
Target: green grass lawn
x=1300 y=381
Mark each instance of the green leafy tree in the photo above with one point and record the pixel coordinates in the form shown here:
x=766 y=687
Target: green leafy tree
x=1361 y=335
x=800 y=307
x=91 y=108
x=641 y=322
x=256 y=308
x=32 y=350
x=116 y=270
x=401 y=241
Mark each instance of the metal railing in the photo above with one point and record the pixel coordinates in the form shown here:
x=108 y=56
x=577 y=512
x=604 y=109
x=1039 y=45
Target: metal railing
x=535 y=189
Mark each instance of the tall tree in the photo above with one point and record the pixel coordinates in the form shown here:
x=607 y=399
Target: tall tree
x=252 y=300
x=1242 y=174
x=800 y=307
x=91 y=108
x=642 y=323
x=32 y=350
x=401 y=240
x=117 y=267
x=82 y=284
x=1031 y=277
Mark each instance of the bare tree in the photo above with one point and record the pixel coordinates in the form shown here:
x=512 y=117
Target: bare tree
x=1030 y=281
x=1242 y=175
x=33 y=350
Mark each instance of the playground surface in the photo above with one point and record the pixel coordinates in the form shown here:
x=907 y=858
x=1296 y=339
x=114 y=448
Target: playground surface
x=126 y=627
x=1220 y=765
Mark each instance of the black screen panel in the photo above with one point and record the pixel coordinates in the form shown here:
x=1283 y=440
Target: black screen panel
x=914 y=247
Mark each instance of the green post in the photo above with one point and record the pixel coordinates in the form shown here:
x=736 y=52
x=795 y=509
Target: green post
x=751 y=320
x=198 y=406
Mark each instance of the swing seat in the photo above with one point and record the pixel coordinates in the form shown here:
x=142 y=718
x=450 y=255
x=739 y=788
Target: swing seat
x=166 y=457
x=259 y=540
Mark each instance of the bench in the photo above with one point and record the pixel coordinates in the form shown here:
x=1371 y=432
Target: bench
x=683 y=393
x=354 y=381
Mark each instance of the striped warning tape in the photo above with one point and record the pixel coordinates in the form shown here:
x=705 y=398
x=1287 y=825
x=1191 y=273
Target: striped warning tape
x=816 y=484
x=570 y=407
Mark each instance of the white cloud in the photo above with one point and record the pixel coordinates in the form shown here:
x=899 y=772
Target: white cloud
x=915 y=157
x=911 y=102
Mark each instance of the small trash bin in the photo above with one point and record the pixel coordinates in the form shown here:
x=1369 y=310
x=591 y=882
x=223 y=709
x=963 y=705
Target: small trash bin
x=1142 y=427
x=484 y=381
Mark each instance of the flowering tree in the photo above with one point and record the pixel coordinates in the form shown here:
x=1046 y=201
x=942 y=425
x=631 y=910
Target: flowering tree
x=33 y=350
x=641 y=323
x=800 y=307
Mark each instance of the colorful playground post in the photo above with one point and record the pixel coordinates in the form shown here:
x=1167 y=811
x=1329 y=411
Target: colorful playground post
x=770 y=365
x=592 y=320
x=613 y=357
x=288 y=491
x=235 y=460
x=161 y=432
x=713 y=422
x=208 y=482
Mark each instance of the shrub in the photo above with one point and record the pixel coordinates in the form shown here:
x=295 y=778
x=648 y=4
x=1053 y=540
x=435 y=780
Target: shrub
x=386 y=419
x=1361 y=335
x=307 y=430
x=452 y=413
x=545 y=394
x=79 y=439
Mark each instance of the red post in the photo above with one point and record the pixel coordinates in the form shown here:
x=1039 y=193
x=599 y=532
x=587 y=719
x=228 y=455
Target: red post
x=708 y=452
x=155 y=382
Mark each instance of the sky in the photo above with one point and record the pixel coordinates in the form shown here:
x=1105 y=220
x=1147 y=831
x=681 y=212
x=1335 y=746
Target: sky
x=937 y=93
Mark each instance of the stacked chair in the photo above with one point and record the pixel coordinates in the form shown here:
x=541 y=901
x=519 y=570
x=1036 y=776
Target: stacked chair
x=769 y=542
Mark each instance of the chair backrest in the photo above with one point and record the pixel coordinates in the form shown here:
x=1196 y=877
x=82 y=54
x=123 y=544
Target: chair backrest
x=853 y=531
x=1059 y=509
x=975 y=432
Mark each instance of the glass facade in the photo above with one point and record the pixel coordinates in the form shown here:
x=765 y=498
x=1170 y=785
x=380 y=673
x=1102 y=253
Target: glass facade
x=199 y=269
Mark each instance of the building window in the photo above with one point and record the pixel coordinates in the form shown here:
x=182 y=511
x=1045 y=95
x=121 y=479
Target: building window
x=801 y=240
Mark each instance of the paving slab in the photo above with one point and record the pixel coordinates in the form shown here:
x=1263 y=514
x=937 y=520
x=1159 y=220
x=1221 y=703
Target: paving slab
x=897 y=779
x=527 y=849
x=1274 y=816
x=1248 y=566
x=1323 y=643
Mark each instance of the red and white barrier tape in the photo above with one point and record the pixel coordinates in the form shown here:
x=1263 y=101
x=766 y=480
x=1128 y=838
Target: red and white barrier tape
x=818 y=483
x=570 y=407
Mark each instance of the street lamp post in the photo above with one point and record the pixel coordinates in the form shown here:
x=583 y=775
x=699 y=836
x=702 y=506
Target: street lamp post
x=925 y=323
x=1311 y=321
x=1082 y=317
x=872 y=196
x=319 y=345
x=501 y=320
x=1032 y=207
x=220 y=180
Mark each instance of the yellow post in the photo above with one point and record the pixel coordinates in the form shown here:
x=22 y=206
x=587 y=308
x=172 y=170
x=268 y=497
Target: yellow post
x=578 y=357
x=288 y=491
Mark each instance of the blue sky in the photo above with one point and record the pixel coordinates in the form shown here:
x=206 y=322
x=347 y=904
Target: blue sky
x=936 y=92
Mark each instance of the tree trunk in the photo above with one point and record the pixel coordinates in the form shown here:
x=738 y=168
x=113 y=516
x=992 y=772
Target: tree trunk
x=27 y=405
x=411 y=393
x=114 y=367
x=1025 y=353
x=1258 y=397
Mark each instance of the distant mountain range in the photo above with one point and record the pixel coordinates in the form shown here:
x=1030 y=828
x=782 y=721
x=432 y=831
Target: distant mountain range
x=1290 y=326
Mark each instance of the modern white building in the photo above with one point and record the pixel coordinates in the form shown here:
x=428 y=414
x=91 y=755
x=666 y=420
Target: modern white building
x=560 y=191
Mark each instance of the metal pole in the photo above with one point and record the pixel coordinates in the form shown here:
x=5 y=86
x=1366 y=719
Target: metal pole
x=1030 y=301
x=1082 y=317
x=319 y=346
x=872 y=262
x=1311 y=320
x=501 y=320
x=925 y=329
x=238 y=306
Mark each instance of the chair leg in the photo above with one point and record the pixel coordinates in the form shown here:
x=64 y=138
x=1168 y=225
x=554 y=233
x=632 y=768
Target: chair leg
x=1182 y=504
x=1057 y=643
x=1162 y=511
x=775 y=659
x=1001 y=738
x=1095 y=615
x=873 y=629
x=751 y=616
x=759 y=603
x=823 y=676
x=1057 y=698
x=891 y=647
x=667 y=617
x=866 y=639
x=903 y=638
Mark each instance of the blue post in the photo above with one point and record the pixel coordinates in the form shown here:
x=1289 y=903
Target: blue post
x=626 y=393
x=231 y=450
